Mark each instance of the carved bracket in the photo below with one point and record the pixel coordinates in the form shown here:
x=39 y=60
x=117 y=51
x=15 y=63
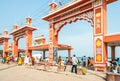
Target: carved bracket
x=85 y=16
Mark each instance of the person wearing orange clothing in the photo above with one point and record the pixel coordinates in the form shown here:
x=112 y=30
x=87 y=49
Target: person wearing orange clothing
x=59 y=63
x=92 y=62
x=89 y=62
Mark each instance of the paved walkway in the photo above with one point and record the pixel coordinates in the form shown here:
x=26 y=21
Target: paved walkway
x=14 y=72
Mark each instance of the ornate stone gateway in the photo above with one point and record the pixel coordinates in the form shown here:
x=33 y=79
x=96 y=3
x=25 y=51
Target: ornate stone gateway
x=23 y=32
x=94 y=11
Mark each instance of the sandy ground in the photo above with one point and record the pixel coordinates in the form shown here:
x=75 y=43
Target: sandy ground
x=14 y=72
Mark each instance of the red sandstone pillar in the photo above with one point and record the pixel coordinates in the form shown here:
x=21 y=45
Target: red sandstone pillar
x=100 y=29
x=28 y=42
x=15 y=47
x=53 y=42
x=113 y=52
x=15 y=43
x=5 y=43
x=28 y=36
x=69 y=55
x=51 y=31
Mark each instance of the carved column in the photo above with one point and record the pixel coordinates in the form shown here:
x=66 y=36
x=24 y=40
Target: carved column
x=113 y=52
x=5 y=43
x=15 y=47
x=28 y=42
x=100 y=29
x=53 y=42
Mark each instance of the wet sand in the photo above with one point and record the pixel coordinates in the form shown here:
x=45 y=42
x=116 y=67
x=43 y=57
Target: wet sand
x=13 y=72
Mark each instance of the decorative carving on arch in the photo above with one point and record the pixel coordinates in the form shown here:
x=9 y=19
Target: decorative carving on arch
x=17 y=38
x=22 y=37
x=85 y=16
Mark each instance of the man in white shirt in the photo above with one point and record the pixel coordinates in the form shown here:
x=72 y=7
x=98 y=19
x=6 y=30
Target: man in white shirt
x=74 y=64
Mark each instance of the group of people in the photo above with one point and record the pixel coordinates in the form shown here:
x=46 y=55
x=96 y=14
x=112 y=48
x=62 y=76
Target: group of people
x=7 y=59
x=29 y=60
x=75 y=62
x=90 y=62
x=114 y=65
x=18 y=60
x=61 y=64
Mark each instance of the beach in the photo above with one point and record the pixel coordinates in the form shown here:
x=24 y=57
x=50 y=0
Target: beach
x=13 y=72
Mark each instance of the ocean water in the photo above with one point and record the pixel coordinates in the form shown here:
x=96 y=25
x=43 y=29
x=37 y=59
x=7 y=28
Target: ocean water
x=79 y=58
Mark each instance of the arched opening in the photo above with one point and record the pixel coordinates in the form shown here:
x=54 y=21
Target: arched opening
x=21 y=46
x=80 y=36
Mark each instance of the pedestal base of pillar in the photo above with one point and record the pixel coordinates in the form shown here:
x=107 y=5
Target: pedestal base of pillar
x=4 y=55
x=100 y=67
x=51 y=62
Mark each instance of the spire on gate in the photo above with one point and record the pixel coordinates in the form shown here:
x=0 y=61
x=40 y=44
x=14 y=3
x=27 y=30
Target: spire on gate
x=15 y=26
x=29 y=21
x=53 y=6
x=6 y=33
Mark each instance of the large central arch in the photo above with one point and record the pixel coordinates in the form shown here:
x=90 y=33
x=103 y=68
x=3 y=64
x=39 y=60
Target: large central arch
x=85 y=16
x=94 y=11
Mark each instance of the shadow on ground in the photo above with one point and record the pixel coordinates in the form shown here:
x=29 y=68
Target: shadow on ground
x=8 y=67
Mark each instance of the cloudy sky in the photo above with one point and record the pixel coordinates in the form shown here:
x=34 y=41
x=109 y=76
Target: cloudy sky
x=78 y=34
